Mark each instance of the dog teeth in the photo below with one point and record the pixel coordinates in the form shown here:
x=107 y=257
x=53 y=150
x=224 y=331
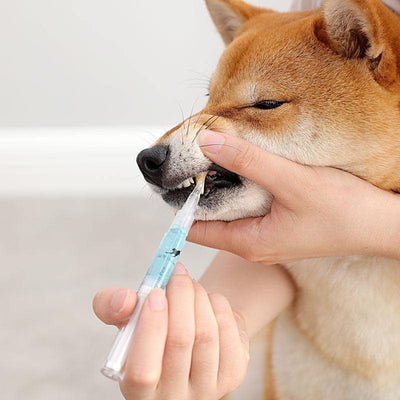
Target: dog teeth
x=186 y=183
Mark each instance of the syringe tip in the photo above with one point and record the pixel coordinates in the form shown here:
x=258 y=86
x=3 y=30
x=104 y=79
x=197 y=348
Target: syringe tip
x=200 y=180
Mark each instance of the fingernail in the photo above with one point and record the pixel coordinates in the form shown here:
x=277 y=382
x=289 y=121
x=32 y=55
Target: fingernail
x=179 y=270
x=157 y=300
x=118 y=301
x=210 y=141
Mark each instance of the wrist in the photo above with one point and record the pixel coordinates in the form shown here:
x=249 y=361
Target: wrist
x=391 y=234
x=383 y=239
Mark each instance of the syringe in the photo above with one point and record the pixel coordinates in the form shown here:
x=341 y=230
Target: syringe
x=157 y=276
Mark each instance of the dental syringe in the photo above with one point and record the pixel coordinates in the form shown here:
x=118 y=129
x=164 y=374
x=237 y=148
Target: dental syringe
x=157 y=276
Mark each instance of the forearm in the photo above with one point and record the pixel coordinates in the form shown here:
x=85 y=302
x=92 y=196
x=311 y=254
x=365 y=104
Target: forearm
x=258 y=292
x=388 y=240
x=378 y=231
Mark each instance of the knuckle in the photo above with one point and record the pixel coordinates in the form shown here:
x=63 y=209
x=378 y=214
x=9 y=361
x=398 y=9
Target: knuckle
x=224 y=320
x=223 y=312
x=140 y=378
x=205 y=337
x=180 y=339
x=181 y=283
x=199 y=288
x=249 y=254
x=233 y=385
x=241 y=321
x=234 y=378
x=218 y=297
x=256 y=248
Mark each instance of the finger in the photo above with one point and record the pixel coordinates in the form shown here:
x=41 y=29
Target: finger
x=233 y=353
x=239 y=237
x=275 y=173
x=144 y=362
x=205 y=354
x=181 y=331
x=113 y=305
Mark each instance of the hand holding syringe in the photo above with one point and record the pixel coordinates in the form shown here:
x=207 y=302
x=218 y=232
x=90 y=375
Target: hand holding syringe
x=157 y=276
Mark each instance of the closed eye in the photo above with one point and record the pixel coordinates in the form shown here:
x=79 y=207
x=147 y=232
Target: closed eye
x=267 y=104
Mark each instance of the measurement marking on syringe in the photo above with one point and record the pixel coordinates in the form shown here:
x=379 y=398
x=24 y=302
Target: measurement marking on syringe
x=175 y=252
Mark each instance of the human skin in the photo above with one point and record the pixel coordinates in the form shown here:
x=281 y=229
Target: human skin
x=196 y=345
x=315 y=212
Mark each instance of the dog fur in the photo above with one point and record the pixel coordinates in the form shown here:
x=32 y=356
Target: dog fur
x=337 y=69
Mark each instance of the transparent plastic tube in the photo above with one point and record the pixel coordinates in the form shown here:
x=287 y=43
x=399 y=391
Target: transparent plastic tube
x=157 y=276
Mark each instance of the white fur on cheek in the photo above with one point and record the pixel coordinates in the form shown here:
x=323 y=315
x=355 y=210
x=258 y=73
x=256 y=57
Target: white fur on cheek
x=249 y=200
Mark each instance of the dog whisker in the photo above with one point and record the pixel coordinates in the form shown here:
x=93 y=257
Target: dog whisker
x=212 y=123
x=204 y=76
x=191 y=114
x=183 y=122
x=202 y=126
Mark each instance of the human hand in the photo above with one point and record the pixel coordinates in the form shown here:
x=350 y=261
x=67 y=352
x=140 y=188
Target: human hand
x=315 y=212
x=188 y=345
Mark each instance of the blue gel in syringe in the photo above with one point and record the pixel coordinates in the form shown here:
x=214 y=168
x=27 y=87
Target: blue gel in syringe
x=157 y=276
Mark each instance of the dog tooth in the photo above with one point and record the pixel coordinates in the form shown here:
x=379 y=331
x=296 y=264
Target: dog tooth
x=191 y=180
x=186 y=183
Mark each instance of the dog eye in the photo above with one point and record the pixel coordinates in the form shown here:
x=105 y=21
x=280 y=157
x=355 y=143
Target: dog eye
x=267 y=104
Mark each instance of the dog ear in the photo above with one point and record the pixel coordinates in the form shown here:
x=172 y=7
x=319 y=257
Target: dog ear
x=229 y=15
x=360 y=29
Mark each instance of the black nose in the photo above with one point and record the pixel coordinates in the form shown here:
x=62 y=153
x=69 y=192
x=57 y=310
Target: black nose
x=150 y=162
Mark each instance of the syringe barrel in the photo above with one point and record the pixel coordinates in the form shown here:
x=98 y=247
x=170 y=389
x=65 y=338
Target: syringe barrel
x=113 y=367
x=166 y=257
x=157 y=276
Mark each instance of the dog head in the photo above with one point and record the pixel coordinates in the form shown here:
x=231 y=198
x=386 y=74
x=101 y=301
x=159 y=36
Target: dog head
x=319 y=87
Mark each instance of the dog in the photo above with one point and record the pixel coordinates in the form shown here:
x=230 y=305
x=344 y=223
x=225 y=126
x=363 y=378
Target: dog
x=321 y=88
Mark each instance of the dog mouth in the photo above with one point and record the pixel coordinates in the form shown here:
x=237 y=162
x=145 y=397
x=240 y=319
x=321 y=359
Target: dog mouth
x=217 y=178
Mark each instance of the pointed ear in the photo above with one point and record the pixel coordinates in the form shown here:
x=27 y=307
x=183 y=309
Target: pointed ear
x=359 y=29
x=229 y=15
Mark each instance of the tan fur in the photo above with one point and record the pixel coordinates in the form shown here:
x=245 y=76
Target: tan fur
x=338 y=69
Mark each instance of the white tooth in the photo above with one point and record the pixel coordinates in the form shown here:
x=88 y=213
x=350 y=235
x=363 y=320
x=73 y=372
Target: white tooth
x=186 y=183
x=179 y=186
x=191 y=180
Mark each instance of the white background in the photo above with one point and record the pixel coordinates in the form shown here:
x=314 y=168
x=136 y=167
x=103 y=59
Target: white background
x=102 y=62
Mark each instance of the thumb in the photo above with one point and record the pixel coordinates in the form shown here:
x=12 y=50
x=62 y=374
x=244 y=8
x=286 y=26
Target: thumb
x=239 y=237
x=275 y=173
x=114 y=305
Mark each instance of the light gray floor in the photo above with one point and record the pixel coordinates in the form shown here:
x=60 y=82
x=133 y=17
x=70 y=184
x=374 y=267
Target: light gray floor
x=54 y=256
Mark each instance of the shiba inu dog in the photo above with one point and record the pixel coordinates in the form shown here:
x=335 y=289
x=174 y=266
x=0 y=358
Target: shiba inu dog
x=321 y=88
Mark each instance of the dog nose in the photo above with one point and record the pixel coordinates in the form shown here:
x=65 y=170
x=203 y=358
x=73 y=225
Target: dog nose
x=150 y=162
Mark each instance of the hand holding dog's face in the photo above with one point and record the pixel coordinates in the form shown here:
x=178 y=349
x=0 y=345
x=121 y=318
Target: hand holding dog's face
x=339 y=214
